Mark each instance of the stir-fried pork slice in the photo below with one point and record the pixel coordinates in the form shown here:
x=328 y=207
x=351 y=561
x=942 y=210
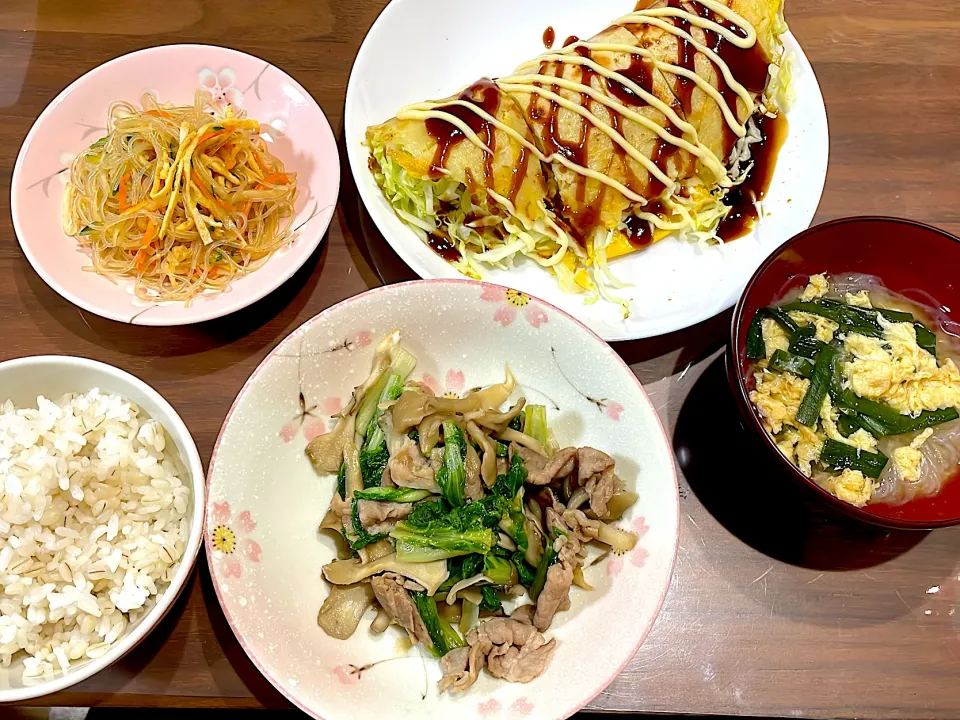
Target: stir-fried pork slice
x=409 y=468
x=396 y=601
x=524 y=614
x=511 y=650
x=474 y=486
x=542 y=470
x=595 y=472
x=555 y=595
x=380 y=517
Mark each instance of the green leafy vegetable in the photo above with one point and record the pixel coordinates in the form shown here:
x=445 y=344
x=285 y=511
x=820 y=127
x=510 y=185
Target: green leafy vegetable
x=490 y=599
x=535 y=423
x=439 y=540
x=525 y=572
x=452 y=475
x=390 y=494
x=444 y=637
x=374 y=454
x=499 y=571
x=516 y=423
x=342 y=481
x=501 y=449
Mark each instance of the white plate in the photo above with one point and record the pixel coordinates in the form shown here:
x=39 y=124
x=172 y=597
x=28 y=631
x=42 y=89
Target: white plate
x=263 y=489
x=415 y=51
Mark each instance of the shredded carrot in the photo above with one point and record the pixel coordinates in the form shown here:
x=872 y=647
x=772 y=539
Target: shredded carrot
x=278 y=178
x=148 y=233
x=141 y=258
x=157 y=113
x=123 y=191
x=207 y=136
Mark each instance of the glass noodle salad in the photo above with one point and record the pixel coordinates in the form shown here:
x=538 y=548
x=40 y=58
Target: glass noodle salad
x=461 y=519
x=858 y=389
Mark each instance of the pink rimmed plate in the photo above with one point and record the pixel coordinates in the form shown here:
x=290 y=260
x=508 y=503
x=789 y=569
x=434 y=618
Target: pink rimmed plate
x=265 y=501
x=293 y=124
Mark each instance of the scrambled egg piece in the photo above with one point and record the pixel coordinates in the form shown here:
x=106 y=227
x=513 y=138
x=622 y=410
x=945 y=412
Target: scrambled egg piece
x=850 y=486
x=859 y=299
x=179 y=254
x=817 y=287
x=824 y=327
x=778 y=397
x=908 y=458
x=861 y=439
x=900 y=373
x=774 y=337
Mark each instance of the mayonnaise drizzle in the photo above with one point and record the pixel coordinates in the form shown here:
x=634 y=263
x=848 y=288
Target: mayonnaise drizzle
x=529 y=83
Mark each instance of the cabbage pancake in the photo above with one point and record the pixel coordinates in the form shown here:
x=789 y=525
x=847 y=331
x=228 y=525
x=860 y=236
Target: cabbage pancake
x=664 y=123
x=480 y=200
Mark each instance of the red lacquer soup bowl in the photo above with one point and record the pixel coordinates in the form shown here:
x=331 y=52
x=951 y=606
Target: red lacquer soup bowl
x=915 y=260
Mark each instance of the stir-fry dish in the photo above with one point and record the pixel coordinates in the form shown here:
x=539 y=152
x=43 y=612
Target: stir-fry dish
x=181 y=199
x=858 y=389
x=460 y=519
x=666 y=123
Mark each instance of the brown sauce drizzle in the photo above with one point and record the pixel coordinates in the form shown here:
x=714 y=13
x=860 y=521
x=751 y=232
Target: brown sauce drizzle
x=449 y=135
x=519 y=173
x=571 y=40
x=742 y=199
x=443 y=246
x=549 y=36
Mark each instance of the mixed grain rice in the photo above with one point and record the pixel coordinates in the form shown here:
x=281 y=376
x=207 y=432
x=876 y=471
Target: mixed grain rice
x=92 y=527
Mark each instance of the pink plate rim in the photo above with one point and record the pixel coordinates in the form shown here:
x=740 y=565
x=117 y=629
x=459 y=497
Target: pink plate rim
x=194 y=314
x=260 y=665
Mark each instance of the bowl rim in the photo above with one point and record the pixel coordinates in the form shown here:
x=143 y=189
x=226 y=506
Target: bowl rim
x=16 y=183
x=395 y=287
x=190 y=458
x=736 y=378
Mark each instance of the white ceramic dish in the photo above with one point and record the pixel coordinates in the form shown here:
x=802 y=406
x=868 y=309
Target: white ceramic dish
x=415 y=51
x=53 y=376
x=293 y=124
x=264 y=494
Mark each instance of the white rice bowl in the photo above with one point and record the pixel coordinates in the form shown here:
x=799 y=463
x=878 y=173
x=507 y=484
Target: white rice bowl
x=98 y=520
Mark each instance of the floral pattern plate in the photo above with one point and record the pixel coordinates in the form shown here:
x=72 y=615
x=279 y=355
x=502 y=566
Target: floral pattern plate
x=293 y=125
x=265 y=501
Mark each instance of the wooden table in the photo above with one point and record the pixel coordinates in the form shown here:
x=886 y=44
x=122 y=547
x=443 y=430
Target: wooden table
x=774 y=609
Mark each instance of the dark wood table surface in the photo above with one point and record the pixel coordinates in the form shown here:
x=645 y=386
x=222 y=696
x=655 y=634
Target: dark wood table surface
x=775 y=608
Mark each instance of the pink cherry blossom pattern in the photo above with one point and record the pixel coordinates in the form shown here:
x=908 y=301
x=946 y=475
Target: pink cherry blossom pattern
x=614 y=565
x=221 y=512
x=536 y=316
x=221 y=86
x=364 y=338
x=314 y=429
x=232 y=568
x=332 y=406
x=455 y=381
x=614 y=410
x=488 y=708
x=638 y=558
x=252 y=550
x=289 y=431
x=246 y=523
x=346 y=675
x=522 y=706
x=224 y=532
x=513 y=301
x=640 y=526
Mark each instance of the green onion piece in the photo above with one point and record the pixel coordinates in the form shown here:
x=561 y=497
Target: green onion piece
x=756 y=349
x=840 y=456
x=809 y=410
x=783 y=320
x=788 y=362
